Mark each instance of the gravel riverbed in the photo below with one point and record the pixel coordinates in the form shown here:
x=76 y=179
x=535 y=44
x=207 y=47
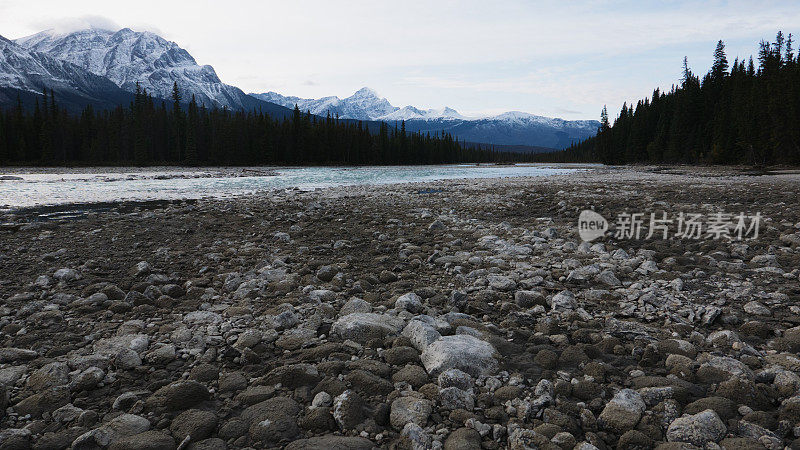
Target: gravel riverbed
x=460 y=314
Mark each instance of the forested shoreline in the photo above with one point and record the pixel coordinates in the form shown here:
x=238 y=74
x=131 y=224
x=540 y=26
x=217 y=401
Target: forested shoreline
x=740 y=113
x=152 y=132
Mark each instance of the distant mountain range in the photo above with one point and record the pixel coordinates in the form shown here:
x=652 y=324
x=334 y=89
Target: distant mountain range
x=510 y=128
x=102 y=67
x=365 y=104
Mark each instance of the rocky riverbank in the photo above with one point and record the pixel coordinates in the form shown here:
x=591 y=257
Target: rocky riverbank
x=454 y=314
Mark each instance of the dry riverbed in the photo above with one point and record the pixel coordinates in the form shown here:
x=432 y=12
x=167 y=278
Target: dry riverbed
x=452 y=314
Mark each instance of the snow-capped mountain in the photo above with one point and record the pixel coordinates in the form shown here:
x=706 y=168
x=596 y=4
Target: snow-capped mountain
x=25 y=71
x=365 y=104
x=127 y=57
x=412 y=113
x=510 y=128
x=523 y=119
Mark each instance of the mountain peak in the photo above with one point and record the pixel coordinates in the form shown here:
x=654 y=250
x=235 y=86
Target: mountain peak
x=365 y=92
x=128 y=57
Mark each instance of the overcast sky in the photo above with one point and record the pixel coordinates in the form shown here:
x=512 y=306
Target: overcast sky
x=562 y=59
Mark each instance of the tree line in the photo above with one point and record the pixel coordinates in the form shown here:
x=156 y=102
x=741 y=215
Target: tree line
x=737 y=113
x=150 y=132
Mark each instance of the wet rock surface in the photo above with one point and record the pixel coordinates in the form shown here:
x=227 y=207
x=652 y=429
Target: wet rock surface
x=468 y=316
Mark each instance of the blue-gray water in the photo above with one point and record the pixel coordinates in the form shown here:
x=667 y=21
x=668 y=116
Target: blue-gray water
x=109 y=185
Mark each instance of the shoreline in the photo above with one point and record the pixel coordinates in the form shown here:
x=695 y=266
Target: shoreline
x=155 y=185
x=701 y=172
x=10 y=170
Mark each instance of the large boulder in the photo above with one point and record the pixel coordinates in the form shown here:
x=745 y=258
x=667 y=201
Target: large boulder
x=721 y=368
x=270 y=432
x=182 y=395
x=623 y=412
x=112 y=431
x=410 y=302
x=421 y=334
x=463 y=439
x=698 y=429
x=355 y=305
x=196 y=423
x=49 y=375
x=462 y=351
x=348 y=410
x=364 y=327
x=271 y=409
x=563 y=301
x=115 y=345
x=47 y=400
x=410 y=410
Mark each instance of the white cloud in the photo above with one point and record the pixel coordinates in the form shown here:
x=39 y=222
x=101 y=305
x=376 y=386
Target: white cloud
x=70 y=24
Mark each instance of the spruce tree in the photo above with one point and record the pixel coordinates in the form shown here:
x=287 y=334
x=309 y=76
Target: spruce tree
x=720 y=67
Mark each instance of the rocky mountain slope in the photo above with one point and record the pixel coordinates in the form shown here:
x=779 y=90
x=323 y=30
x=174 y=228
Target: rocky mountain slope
x=25 y=73
x=127 y=57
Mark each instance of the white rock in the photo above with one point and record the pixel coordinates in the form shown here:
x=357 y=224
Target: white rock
x=321 y=296
x=563 y=301
x=455 y=378
x=202 y=318
x=363 y=327
x=455 y=398
x=355 y=305
x=757 y=309
x=114 y=345
x=698 y=429
x=607 y=277
x=623 y=412
x=322 y=400
x=142 y=268
x=733 y=367
x=67 y=413
x=10 y=375
x=463 y=352
x=66 y=275
x=421 y=334
x=416 y=436
x=410 y=409
x=501 y=283
x=409 y=302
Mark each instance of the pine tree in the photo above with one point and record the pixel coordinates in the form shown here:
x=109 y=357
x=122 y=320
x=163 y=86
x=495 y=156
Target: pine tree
x=604 y=138
x=720 y=67
x=686 y=75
